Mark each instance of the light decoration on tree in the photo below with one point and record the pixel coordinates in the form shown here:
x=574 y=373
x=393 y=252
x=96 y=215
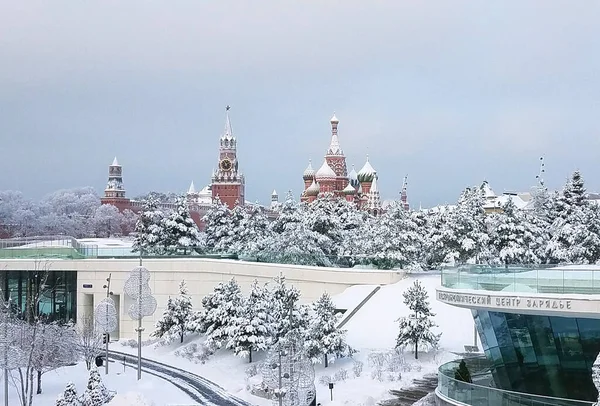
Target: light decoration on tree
x=105 y=315
x=137 y=287
x=288 y=374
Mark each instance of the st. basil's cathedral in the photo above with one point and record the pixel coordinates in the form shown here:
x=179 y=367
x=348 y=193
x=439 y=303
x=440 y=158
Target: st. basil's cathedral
x=228 y=182
x=332 y=178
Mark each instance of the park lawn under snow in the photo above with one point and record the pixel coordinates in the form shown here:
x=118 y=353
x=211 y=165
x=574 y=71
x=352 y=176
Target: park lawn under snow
x=150 y=391
x=373 y=329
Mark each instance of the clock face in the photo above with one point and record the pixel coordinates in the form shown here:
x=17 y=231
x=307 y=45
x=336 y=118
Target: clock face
x=225 y=164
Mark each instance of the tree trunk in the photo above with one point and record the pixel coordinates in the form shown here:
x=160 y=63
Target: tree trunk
x=250 y=356
x=417 y=349
x=39 y=382
x=326 y=361
x=182 y=333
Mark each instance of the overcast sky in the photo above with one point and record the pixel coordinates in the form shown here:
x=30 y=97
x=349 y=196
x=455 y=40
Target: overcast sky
x=448 y=92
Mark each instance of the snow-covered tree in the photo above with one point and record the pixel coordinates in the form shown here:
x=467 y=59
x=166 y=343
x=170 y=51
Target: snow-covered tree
x=69 y=397
x=416 y=328
x=180 y=233
x=129 y=221
x=323 y=337
x=96 y=394
x=297 y=244
x=219 y=227
x=251 y=230
x=466 y=236
x=174 y=323
x=89 y=340
x=219 y=311
x=394 y=238
x=251 y=329
x=107 y=221
x=149 y=229
x=289 y=317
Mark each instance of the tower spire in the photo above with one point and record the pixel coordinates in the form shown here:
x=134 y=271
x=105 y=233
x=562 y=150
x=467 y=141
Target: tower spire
x=227 y=132
x=403 y=195
x=334 y=146
x=540 y=176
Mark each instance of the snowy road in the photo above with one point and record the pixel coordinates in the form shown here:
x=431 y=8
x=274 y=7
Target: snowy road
x=201 y=390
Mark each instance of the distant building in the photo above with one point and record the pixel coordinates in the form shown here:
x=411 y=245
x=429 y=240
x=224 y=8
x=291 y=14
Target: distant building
x=227 y=183
x=333 y=178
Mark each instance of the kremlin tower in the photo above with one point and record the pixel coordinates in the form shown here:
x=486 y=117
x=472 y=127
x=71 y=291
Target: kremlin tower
x=114 y=193
x=227 y=181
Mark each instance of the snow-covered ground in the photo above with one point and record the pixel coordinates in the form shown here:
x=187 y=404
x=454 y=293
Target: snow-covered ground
x=150 y=391
x=372 y=330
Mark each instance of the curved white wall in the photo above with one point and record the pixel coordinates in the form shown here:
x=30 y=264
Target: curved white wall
x=201 y=275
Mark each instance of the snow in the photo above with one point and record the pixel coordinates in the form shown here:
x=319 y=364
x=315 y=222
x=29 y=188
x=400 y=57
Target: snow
x=325 y=172
x=125 y=384
x=373 y=329
x=352 y=296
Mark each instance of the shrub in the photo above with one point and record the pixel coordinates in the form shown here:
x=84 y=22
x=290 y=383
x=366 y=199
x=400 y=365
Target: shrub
x=357 y=368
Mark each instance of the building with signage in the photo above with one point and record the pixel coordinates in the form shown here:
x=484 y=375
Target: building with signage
x=539 y=331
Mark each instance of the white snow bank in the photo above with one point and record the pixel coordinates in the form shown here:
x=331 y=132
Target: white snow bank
x=130 y=399
x=352 y=296
x=375 y=324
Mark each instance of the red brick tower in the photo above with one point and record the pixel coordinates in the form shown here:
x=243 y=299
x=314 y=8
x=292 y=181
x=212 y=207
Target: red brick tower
x=227 y=181
x=115 y=192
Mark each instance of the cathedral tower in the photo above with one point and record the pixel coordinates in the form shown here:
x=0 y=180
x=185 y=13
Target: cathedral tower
x=227 y=180
x=115 y=191
x=336 y=159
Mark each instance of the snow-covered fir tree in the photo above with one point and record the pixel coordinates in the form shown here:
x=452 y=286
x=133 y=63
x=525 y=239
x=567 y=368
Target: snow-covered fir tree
x=96 y=394
x=251 y=230
x=394 y=239
x=149 y=229
x=416 y=328
x=69 y=397
x=220 y=310
x=511 y=237
x=297 y=244
x=251 y=329
x=289 y=317
x=180 y=233
x=287 y=212
x=219 y=227
x=174 y=323
x=466 y=237
x=323 y=337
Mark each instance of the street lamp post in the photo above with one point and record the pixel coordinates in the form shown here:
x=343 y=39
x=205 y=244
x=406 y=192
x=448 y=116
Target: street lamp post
x=106 y=335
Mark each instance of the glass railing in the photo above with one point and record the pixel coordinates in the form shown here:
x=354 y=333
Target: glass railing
x=479 y=393
x=572 y=279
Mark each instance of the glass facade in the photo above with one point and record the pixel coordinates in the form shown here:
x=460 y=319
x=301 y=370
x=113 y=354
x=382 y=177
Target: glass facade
x=543 y=355
x=57 y=292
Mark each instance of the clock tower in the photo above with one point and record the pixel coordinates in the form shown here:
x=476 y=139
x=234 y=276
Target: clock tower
x=227 y=180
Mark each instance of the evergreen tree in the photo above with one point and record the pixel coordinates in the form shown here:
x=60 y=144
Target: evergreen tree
x=179 y=230
x=466 y=237
x=251 y=329
x=252 y=229
x=219 y=227
x=69 y=397
x=287 y=212
x=297 y=244
x=289 y=318
x=416 y=328
x=323 y=336
x=462 y=373
x=149 y=229
x=96 y=393
x=174 y=322
x=220 y=310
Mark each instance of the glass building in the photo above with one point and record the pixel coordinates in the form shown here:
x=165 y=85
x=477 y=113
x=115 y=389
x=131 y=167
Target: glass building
x=542 y=355
x=56 y=292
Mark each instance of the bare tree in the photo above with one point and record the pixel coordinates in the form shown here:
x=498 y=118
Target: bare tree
x=89 y=340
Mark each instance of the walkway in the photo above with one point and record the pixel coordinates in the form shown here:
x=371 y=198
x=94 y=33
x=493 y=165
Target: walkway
x=199 y=389
x=418 y=390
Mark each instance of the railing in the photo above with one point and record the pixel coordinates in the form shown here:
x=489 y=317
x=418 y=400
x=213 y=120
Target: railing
x=478 y=394
x=574 y=279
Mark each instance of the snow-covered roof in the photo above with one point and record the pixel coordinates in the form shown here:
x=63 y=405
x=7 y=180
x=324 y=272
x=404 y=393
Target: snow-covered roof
x=353 y=175
x=274 y=193
x=309 y=172
x=313 y=189
x=325 y=172
x=499 y=201
x=334 y=119
x=115 y=162
x=349 y=190
x=487 y=190
x=191 y=189
x=367 y=173
x=374 y=188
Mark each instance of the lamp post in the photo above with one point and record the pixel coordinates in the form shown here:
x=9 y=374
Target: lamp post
x=107 y=334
